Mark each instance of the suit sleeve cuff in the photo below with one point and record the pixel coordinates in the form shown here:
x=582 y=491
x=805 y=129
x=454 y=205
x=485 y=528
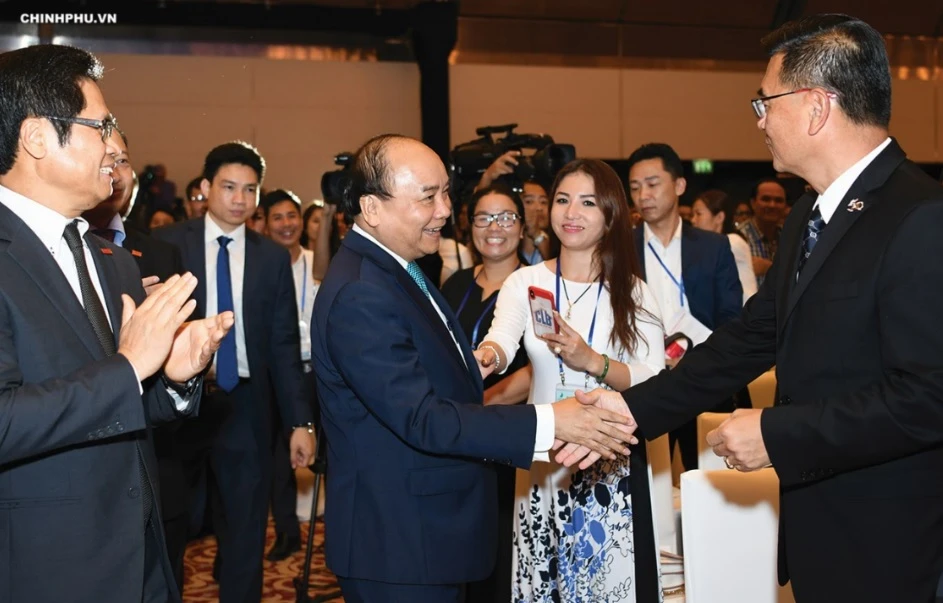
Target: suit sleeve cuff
x=546 y=427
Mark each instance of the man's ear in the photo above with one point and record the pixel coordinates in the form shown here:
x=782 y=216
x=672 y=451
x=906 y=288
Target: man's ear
x=35 y=137
x=681 y=185
x=820 y=109
x=370 y=210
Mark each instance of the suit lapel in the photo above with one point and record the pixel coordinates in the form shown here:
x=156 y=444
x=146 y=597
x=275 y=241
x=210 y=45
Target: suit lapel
x=27 y=251
x=368 y=249
x=689 y=261
x=250 y=276
x=452 y=321
x=788 y=255
x=109 y=279
x=195 y=259
x=854 y=204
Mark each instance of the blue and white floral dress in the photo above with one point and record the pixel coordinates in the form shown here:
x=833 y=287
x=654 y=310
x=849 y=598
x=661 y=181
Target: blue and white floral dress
x=573 y=530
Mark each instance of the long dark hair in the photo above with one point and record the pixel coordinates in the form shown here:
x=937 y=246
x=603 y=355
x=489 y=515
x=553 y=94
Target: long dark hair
x=615 y=253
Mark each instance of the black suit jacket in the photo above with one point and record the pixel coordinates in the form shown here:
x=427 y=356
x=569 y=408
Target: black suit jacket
x=709 y=273
x=856 y=435
x=269 y=315
x=153 y=256
x=72 y=424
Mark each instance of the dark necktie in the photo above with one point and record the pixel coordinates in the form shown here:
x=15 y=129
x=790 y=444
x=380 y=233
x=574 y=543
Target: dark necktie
x=96 y=315
x=813 y=231
x=106 y=233
x=227 y=368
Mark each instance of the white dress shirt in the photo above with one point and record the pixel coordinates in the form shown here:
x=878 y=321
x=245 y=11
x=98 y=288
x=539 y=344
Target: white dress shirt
x=545 y=417
x=49 y=226
x=828 y=201
x=666 y=292
x=237 y=272
x=305 y=290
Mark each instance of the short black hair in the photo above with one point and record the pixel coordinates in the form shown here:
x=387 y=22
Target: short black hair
x=273 y=198
x=369 y=172
x=842 y=55
x=238 y=152
x=41 y=81
x=194 y=184
x=761 y=182
x=658 y=150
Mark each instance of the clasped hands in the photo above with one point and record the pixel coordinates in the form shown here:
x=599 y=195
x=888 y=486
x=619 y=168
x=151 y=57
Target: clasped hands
x=738 y=439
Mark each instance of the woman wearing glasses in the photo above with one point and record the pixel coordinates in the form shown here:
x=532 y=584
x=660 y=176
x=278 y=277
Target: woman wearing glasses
x=497 y=228
x=576 y=537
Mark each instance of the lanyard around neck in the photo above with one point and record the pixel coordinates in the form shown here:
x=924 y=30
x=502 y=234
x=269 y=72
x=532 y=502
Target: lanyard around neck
x=678 y=283
x=592 y=325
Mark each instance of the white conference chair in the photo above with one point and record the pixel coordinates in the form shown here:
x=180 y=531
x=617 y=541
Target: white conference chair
x=659 y=460
x=707 y=422
x=730 y=530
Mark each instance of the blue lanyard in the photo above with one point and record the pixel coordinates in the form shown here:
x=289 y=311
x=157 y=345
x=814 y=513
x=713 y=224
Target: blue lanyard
x=461 y=306
x=678 y=284
x=304 y=284
x=592 y=325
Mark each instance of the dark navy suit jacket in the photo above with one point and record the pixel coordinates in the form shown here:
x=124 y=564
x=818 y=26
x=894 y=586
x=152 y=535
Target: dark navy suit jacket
x=269 y=316
x=709 y=273
x=411 y=494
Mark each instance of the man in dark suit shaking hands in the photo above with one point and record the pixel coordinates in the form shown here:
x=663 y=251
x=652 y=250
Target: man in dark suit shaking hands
x=412 y=502
x=849 y=314
x=87 y=361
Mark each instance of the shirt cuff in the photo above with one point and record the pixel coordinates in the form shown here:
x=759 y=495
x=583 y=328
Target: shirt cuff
x=546 y=427
x=138 y=377
x=182 y=404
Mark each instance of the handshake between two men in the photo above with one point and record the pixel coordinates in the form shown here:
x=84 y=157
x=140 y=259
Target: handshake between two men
x=598 y=424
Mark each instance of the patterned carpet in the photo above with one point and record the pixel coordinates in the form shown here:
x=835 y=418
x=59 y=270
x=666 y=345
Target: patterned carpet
x=278 y=585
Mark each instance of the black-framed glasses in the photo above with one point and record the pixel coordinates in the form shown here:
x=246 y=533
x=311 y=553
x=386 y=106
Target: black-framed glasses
x=106 y=126
x=759 y=104
x=505 y=219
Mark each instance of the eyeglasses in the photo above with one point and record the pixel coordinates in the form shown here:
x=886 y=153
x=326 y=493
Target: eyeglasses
x=505 y=219
x=197 y=198
x=107 y=125
x=759 y=104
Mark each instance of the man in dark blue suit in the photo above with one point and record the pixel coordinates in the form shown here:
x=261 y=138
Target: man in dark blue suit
x=412 y=504
x=250 y=275
x=690 y=271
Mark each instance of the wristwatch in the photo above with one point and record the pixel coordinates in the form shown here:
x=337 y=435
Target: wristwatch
x=184 y=390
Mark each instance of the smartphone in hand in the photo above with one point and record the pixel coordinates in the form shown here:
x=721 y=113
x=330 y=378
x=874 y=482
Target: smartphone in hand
x=541 y=311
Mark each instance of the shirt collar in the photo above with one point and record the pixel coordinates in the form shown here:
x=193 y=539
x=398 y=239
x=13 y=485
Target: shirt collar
x=213 y=231
x=117 y=225
x=649 y=235
x=373 y=240
x=833 y=195
x=46 y=223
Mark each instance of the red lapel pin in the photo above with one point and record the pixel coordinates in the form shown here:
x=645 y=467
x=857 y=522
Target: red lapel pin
x=106 y=251
x=136 y=253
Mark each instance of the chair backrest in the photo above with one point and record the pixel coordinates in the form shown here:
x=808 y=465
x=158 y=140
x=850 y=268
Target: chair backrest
x=763 y=390
x=659 y=461
x=707 y=422
x=730 y=531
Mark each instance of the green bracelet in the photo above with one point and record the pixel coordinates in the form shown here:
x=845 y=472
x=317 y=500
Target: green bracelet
x=605 y=370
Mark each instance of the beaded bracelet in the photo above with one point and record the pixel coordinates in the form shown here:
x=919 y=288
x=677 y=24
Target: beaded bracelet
x=497 y=357
x=605 y=370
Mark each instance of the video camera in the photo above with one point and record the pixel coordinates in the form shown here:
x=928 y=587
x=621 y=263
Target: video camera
x=469 y=160
x=332 y=183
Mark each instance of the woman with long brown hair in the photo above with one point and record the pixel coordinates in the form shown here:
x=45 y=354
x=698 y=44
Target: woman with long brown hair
x=575 y=530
